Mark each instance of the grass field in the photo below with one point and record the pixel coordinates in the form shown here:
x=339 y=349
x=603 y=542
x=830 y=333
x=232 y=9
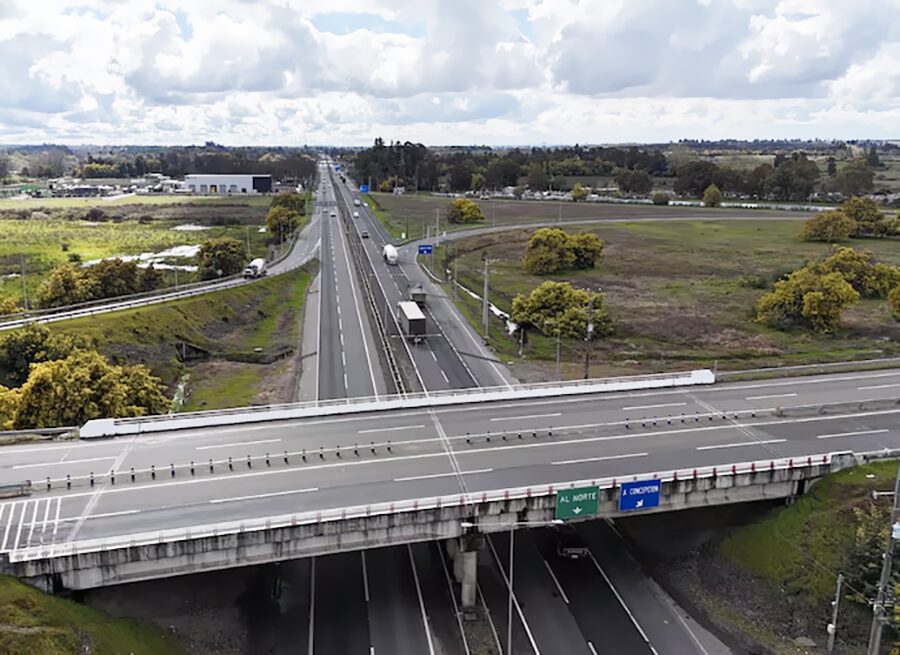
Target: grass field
x=33 y=623
x=118 y=201
x=681 y=294
x=228 y=324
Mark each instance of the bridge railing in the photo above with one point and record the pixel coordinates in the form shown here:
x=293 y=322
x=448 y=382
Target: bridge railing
x=208 y=418
x=229 y=528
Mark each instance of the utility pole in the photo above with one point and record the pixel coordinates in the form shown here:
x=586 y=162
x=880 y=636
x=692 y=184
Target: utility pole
x=558 y=377
x=485 y=306
x=249 y=252
x=588 y=333
x=878 y=618
x=24 y=285
x=832 y=627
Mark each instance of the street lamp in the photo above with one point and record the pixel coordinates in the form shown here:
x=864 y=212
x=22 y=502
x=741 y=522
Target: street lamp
x=509 y=580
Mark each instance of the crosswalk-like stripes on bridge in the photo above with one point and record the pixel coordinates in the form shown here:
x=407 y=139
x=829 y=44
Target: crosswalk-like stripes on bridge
x=31 y=522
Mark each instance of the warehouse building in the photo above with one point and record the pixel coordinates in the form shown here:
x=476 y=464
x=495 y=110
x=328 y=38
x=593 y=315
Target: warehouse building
x=225 y=185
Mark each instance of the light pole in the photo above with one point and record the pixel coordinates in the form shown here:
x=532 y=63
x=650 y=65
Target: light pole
x=509 y=579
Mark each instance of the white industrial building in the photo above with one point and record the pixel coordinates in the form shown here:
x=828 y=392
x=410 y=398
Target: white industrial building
x=228 y=184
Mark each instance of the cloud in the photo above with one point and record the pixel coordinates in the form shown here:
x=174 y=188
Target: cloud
x=511 y=71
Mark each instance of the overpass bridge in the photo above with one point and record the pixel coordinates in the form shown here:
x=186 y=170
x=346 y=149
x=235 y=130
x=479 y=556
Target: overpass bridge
x=175 y=495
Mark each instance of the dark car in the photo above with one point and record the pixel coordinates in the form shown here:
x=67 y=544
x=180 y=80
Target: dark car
x=569 y=543
x=365 y=234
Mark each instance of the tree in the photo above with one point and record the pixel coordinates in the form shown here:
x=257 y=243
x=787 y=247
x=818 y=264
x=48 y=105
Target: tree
x=856 y=178
x=795 y=178
x=579 y=193
x=757 y=182
x=9 y=405
x=867 y=216
x=291 y=200
x=463 y=210
x=502 y=172
x=634 y=182
x=872 y=157
x=548 y=251
x=113 y=277
x=65 y=286
x=281 y=222
x=831 y=167
x=478 y=182
x=712 y=197
x=85 y=386
x=808 y=299
x=559 y=305
x=869 y=278
x=8 y=306
x=661 y=198
x=35 y=343
x=221 y=257
x=537 y=178
x=894 y=302
x=870 y=541
x=830 y=226
x=586 y=248
x=693 y=177
x=150 y=279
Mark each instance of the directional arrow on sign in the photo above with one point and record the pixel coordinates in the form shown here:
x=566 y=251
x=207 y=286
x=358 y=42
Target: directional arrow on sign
x=576 y=510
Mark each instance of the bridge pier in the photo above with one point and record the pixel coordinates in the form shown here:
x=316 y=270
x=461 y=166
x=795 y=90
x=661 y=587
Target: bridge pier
x=464 y=555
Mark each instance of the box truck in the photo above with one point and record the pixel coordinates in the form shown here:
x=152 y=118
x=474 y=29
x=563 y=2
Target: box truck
x=411 y=319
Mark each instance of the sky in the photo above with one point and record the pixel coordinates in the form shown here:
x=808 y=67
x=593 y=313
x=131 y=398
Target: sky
x=495 y=72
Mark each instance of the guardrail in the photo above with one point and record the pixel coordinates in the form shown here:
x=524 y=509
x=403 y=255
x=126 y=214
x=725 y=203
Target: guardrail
x=411 y=505
x=780 y=370
x=208 y=418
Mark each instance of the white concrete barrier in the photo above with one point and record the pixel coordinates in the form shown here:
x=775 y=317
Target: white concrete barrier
x=131 y=426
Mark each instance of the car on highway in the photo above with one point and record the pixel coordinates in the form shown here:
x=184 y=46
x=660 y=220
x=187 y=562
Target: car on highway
x=355 y=214
x=333 y=214
x=364 y=234
x=569 y=544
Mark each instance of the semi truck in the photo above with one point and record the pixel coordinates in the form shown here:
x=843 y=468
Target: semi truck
x=412 y=320
x=255 y=269
x=389 y=253
x=416 y=293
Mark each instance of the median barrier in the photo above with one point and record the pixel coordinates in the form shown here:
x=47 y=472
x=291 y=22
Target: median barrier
x=164 y=423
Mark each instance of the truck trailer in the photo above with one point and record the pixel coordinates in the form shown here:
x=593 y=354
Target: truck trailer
x=412 y=320
x=255 y=269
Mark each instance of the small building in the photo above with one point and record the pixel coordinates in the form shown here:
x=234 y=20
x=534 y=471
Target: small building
x=225 y=185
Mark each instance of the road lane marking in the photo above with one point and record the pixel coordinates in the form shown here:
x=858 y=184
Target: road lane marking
x=237 y=443
x=777 y=395
x=879 y=386
x=412 y=563
x=622 y=602
x=597 y=459
x=739 y=444
x=556 y=582
x=508 y=586
x=33 y=522
x=851 y=434
x=636 y=407
x=15 y=451
x=46 y=516
x=71 y=461
x=12 y=510
x=312 y=603
x=396 y=429
x=21 y=523
x=526 y=417
x=56 y=518
x=266 y=495
x=365 y=576
x=591 y=648
x=434 y=476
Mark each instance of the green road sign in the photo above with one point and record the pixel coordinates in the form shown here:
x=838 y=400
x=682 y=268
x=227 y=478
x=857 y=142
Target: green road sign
x=577 y=502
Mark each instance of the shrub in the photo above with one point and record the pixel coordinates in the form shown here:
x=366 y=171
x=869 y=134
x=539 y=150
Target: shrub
x=661 y=198
x=828 y=226
x=712 y=197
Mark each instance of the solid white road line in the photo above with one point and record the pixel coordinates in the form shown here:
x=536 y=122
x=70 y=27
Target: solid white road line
x=312 y=604
x=597 y=459
x=412 y=563
x=526 y=417
x=396 y=429
x=12 y=511
x=556 y=582
x=71 y=461
x=636 y=407
x=33 y=522
x=850 y=434
x=238 y=443
x=777 y=395
x=15 y=544
x=518 y=607
x=444 y=375
x=266 y=495
x=622 y=602
x=879 y=386
x=441 y=475
x=592 y=649
x=740 y=444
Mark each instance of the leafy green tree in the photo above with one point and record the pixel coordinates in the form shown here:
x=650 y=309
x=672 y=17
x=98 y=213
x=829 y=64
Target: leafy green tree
x=872 y=158
x=586 y=248
x=712 y=197
x=502 y=172
x=830 y=226
x=832 y=167
x=113 y=277
x=894 y=302
x=478 y=182
x=65 y=285
x=537 y=178
x=223 y=256
x=871 y=279
x=85 y=386
x=295 y=202
x=35 y=343
x=795 y=178
x=634 y=182
x=548 y=251
x=579 y=193
x=853 y=179
x=870 y=540
x=869 y=220
x=8 y=306
x=9 y=405
x=807 y=298
x=150 y=279
x=661 y=198
x=281 y=222
x=463 y=210
x=563 y=307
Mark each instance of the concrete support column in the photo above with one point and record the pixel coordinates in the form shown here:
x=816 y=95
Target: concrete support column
x=469 y=566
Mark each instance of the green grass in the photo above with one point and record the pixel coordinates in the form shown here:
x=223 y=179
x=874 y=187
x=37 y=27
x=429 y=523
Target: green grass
x=217 y=389
x=681 y=294
x=802 y=547
x=85 y=203
x=392 y=225
x=33 y=623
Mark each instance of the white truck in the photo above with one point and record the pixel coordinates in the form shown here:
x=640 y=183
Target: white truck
x=411 y=319
x=389 y=253
x=255 y=269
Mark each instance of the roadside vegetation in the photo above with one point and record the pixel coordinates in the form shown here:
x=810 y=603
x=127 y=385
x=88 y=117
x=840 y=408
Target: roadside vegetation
x=34 y=623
